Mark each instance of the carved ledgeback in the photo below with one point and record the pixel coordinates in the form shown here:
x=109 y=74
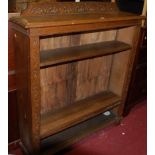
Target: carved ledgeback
x=68 y=8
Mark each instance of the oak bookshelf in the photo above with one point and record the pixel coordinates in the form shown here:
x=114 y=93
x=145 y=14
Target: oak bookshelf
x=73 y=62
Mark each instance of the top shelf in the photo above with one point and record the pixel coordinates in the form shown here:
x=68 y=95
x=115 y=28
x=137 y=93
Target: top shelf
x=68 y=54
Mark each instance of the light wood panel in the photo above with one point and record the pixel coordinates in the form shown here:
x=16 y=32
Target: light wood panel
x=121 y=61
x=55 y=80
x=75 y=39
x=91 y=80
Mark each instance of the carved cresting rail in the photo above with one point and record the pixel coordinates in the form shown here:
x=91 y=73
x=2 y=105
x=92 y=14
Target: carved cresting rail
x=68 y=8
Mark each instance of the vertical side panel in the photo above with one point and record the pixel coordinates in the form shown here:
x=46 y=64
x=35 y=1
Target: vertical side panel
x=21 y=54
x=123 y=63
x=34 y=91
x=121 y=60
x=28 y=90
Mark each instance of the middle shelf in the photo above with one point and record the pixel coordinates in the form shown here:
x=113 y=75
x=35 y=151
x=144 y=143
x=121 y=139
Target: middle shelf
x=68 y=54
x=70 y=115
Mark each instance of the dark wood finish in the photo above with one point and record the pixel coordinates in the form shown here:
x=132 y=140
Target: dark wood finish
x=32 y=30
x=71 y=14
x=75 y=113
x=25 y=71
x=11 y=58
x=62 y=55
x=49 y=9
x=20 y=5
x=12 y=80
x=13 y=145
x=37 y=21
x=83 y=0
x=13 y=129
x=13 y=123
x=11 y=5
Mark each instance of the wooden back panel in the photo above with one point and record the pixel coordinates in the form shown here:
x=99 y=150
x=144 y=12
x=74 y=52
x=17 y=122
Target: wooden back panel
x=66 y=83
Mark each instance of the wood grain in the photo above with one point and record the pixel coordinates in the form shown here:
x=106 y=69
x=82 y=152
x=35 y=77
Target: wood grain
x=128 y=58
x=120 y=61
x=75 y=113
x=57 y=79
x=61 y=55
x=78 y=80
x=27 y=81
x=22 y=86
x=57 y=93
x=53 y=21
x=67 y=8
x=92 y=76
x=56 y=14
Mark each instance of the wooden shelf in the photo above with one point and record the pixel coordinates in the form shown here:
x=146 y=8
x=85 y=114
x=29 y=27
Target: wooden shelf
x=61 y=55
x=71 y=135
x=61 y=119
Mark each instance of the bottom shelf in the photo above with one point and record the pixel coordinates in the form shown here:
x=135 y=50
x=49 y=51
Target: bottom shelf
x=75 y=113
x=71 y=135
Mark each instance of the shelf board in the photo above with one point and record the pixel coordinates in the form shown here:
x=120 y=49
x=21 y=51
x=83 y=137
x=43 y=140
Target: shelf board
x=75 y=113
x=68 y=54
x=61 y=140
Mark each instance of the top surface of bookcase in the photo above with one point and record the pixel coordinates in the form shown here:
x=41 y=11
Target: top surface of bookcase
x=45 y=14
